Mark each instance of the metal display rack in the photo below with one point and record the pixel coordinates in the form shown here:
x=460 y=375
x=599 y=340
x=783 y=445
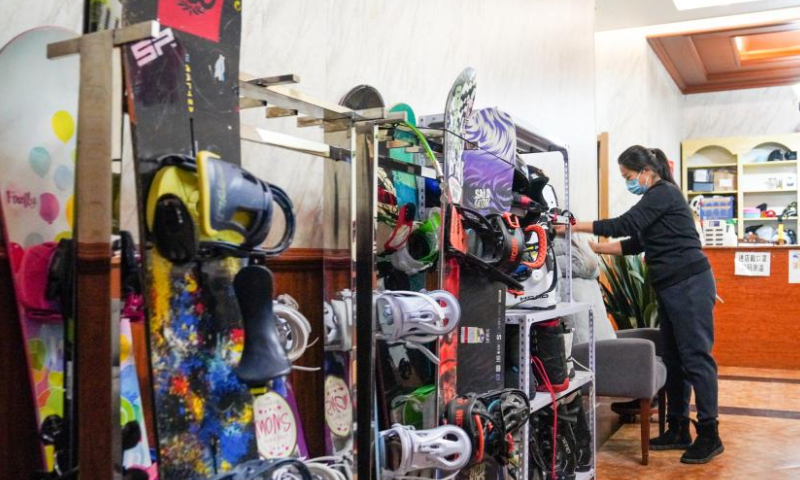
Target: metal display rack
x=531 y=141
x=97 y=339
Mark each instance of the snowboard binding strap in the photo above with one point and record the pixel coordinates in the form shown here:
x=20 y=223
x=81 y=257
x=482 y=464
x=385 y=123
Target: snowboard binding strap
x=209 y=207
x=331 y=468
x=263 y=357
x=404 y=450
x=268 y=469
x=402 y=229
x=414 y=318
x=293 y=327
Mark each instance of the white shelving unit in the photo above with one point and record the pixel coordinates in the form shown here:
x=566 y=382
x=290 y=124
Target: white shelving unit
x=745 y=157
x=526 y=319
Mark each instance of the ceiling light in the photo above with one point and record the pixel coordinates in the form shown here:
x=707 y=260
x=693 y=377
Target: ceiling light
x=694 y=4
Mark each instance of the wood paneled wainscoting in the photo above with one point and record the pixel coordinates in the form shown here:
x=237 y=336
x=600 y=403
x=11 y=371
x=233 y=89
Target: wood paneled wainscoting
x=757 y=323
x=298 y=272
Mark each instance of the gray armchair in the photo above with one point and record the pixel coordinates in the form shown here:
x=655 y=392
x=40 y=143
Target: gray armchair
x=629 y=366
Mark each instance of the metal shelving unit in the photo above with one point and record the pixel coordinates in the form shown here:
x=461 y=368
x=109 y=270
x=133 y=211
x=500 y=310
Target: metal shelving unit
x=529 y=140
x=526 y=319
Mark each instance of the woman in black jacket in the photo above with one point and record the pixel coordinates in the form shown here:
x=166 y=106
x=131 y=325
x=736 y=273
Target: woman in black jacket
x=661 y=225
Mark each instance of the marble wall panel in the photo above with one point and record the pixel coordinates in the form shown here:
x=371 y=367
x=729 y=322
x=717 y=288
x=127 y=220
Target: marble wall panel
x=534 y=59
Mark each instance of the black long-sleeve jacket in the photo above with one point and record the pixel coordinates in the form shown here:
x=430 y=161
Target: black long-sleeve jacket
x=660 y=225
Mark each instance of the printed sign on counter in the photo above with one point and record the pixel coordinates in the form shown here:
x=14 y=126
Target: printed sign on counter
x=752 y=264
x=794 y=266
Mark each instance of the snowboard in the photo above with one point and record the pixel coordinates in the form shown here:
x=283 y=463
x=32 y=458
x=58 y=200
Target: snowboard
x=38 y=118
x=458 y=109
x=487 y=185
x=183 y=98
x=406 y=378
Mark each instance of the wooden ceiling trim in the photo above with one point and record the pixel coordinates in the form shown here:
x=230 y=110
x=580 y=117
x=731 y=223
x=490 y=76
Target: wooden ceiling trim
x=708 y=61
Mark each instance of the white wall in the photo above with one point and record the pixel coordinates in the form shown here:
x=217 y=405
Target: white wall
x=534 y=59
x=411 y=51
x=756 y=111
x=637 y=103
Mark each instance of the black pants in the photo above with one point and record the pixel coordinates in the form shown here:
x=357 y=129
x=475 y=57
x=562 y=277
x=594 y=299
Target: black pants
x=686 y=316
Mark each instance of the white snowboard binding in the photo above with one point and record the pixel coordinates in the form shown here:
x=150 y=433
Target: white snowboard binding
x=338 y=319
x=403 y=450
x=414 y=318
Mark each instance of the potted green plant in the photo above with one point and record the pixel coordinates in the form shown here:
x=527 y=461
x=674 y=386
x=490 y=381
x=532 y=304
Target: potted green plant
x=627 y=293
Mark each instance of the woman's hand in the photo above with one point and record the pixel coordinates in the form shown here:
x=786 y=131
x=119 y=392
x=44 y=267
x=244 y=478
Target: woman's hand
x=613 y=248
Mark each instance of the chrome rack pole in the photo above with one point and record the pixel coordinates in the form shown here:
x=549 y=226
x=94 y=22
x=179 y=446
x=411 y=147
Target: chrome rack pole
x=97 y=332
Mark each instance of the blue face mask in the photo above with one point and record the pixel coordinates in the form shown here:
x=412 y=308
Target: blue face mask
x=634 y=187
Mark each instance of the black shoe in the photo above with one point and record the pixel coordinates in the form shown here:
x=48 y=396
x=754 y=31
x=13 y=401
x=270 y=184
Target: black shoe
x=677 y=436
x=706 y=446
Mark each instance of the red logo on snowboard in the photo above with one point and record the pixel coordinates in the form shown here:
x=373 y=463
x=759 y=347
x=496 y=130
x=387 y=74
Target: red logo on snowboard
x=198 y=17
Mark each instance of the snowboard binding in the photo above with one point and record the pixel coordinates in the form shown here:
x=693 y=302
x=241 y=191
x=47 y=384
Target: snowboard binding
x=131 y=271
x=268 y=469
x=338 y=319
x=403 y=450
x=414 y=408
x=413 y=318
x=421 y=248
x=37 y=293
x=293 y=327
x=491 y=419
x=206 y=207
x=494 y=245
x=263 y=357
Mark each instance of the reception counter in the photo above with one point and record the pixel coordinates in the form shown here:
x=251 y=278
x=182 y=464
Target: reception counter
x=758 y=319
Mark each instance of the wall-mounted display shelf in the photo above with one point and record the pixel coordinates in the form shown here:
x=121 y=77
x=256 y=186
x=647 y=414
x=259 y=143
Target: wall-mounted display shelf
x=740 y=167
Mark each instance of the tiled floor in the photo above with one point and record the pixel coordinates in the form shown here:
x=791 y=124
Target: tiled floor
x=760 y=430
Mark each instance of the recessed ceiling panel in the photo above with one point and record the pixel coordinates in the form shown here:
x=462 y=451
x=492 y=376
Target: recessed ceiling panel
x=749 y=56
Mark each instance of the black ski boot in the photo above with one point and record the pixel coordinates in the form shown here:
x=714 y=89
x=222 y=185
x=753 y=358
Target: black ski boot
x=677 y=436
x=707 y=445
x=583 y=435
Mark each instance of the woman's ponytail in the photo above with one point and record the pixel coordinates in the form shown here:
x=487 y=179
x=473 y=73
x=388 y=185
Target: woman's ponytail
x=662 y=165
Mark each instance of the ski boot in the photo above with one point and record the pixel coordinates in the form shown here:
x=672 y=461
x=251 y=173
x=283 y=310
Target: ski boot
x=576 y=415
x=538 y=272
x=421 y=249
x=338 y=319
x=208 y=207
x=549 y=355
x=268 y=469
x=263 y=356
x=413 y=318
x=293 y=327
x=403 y=450
x=556 y=440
